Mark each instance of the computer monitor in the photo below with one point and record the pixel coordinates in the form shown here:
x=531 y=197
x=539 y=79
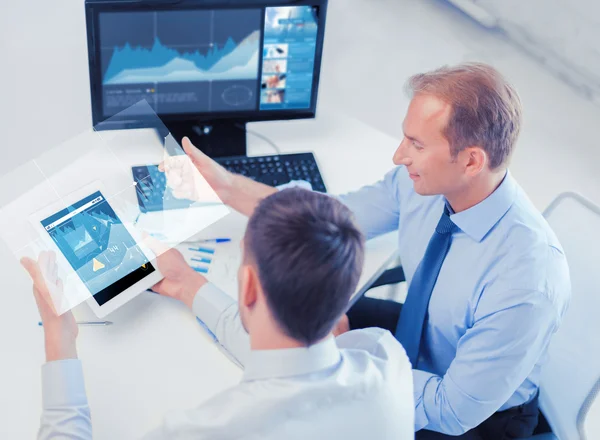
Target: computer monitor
x=205 y=67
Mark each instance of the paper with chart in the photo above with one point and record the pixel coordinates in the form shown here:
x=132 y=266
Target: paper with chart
x=219 y=263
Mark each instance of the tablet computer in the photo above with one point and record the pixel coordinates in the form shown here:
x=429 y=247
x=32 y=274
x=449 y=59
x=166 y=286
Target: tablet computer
x=88 y=235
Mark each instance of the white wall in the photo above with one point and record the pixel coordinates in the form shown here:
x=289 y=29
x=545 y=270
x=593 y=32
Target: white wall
x=373 y=46
x=562 y=34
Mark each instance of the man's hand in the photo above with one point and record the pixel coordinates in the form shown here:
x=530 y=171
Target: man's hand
x=60 y=331
x=236 y=191
x=342 y=326
x=183 y=178
x=180 y=280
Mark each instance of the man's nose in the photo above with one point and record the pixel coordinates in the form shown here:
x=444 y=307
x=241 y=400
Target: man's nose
x=400 y=156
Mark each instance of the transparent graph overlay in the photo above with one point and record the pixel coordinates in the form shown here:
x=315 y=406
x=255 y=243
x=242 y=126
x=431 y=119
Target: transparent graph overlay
x=97 y=211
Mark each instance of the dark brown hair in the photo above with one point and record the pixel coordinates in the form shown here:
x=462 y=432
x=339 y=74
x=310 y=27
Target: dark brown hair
x=309 y=255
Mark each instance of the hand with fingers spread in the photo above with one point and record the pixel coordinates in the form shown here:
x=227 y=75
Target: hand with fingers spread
x=60 y=331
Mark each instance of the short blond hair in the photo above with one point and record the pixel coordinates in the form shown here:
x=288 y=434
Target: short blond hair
x=486 y=109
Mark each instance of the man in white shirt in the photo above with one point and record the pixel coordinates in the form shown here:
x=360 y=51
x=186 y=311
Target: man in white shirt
x=302 y=258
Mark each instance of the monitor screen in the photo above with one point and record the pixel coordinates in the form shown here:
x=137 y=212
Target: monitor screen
x=192 y=61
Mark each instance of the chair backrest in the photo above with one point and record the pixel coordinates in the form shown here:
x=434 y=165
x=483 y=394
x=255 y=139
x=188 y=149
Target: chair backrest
x=571 y=377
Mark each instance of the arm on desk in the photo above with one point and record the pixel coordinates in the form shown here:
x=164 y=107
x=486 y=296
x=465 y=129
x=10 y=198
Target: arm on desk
x=220 y=313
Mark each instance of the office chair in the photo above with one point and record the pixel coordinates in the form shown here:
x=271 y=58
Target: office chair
x=570 y=379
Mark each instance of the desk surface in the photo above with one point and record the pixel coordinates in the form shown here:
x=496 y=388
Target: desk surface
x=156 y=358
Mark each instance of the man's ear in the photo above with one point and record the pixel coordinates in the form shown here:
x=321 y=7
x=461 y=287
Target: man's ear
x=249 y=286
x=475 y=160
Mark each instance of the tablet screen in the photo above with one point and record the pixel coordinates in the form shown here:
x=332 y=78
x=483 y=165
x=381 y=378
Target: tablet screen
x=98 y=247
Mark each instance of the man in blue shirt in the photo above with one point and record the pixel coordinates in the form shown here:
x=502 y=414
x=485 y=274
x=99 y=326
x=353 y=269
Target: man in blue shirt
x=488 y=280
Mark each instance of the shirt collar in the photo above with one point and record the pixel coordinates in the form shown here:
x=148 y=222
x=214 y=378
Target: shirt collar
x=270 y=364
x=478 y=220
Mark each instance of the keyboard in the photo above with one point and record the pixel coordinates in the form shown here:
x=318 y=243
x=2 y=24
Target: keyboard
x=277 y=169
x=153 y=194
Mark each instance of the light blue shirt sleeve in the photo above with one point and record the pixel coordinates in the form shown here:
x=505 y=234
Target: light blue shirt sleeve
x=377 y=207
x=494 y=357
x=220 y=314
x=65 y=410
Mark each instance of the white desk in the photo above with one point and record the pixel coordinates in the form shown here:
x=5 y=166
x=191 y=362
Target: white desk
x=156 y=358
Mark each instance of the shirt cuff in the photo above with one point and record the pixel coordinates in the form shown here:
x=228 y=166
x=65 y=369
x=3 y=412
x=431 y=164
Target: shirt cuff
x=63 y=384
x=295 y=184
x=420 y=381
x=209 y=304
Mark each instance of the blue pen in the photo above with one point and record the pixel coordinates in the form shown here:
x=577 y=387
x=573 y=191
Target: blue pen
x=215 y=240
x=200 y=269
x=202 y=260
x=205 y=250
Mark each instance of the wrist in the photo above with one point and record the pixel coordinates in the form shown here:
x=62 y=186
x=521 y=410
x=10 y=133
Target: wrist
x=191 y=288
x=59 y=346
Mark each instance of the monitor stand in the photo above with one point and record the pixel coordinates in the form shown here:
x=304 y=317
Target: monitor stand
x=215 y=139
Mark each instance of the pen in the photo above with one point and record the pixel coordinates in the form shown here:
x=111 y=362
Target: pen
x=202 y=260
x=200 y=269
x=215 y=240
x=92 y=323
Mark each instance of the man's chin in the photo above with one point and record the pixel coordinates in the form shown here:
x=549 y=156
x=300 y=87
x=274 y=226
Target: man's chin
x=420 y=190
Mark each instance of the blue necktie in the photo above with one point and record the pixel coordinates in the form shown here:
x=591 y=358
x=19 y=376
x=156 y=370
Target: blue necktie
x=412 y=318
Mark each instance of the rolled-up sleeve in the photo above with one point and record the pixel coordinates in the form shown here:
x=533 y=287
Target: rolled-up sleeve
x=65 y=410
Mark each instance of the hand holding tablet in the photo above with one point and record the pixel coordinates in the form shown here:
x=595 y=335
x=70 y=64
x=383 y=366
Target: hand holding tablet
x=98 y=250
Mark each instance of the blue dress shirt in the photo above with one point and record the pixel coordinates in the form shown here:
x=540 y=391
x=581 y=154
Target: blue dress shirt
x=500 y=296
